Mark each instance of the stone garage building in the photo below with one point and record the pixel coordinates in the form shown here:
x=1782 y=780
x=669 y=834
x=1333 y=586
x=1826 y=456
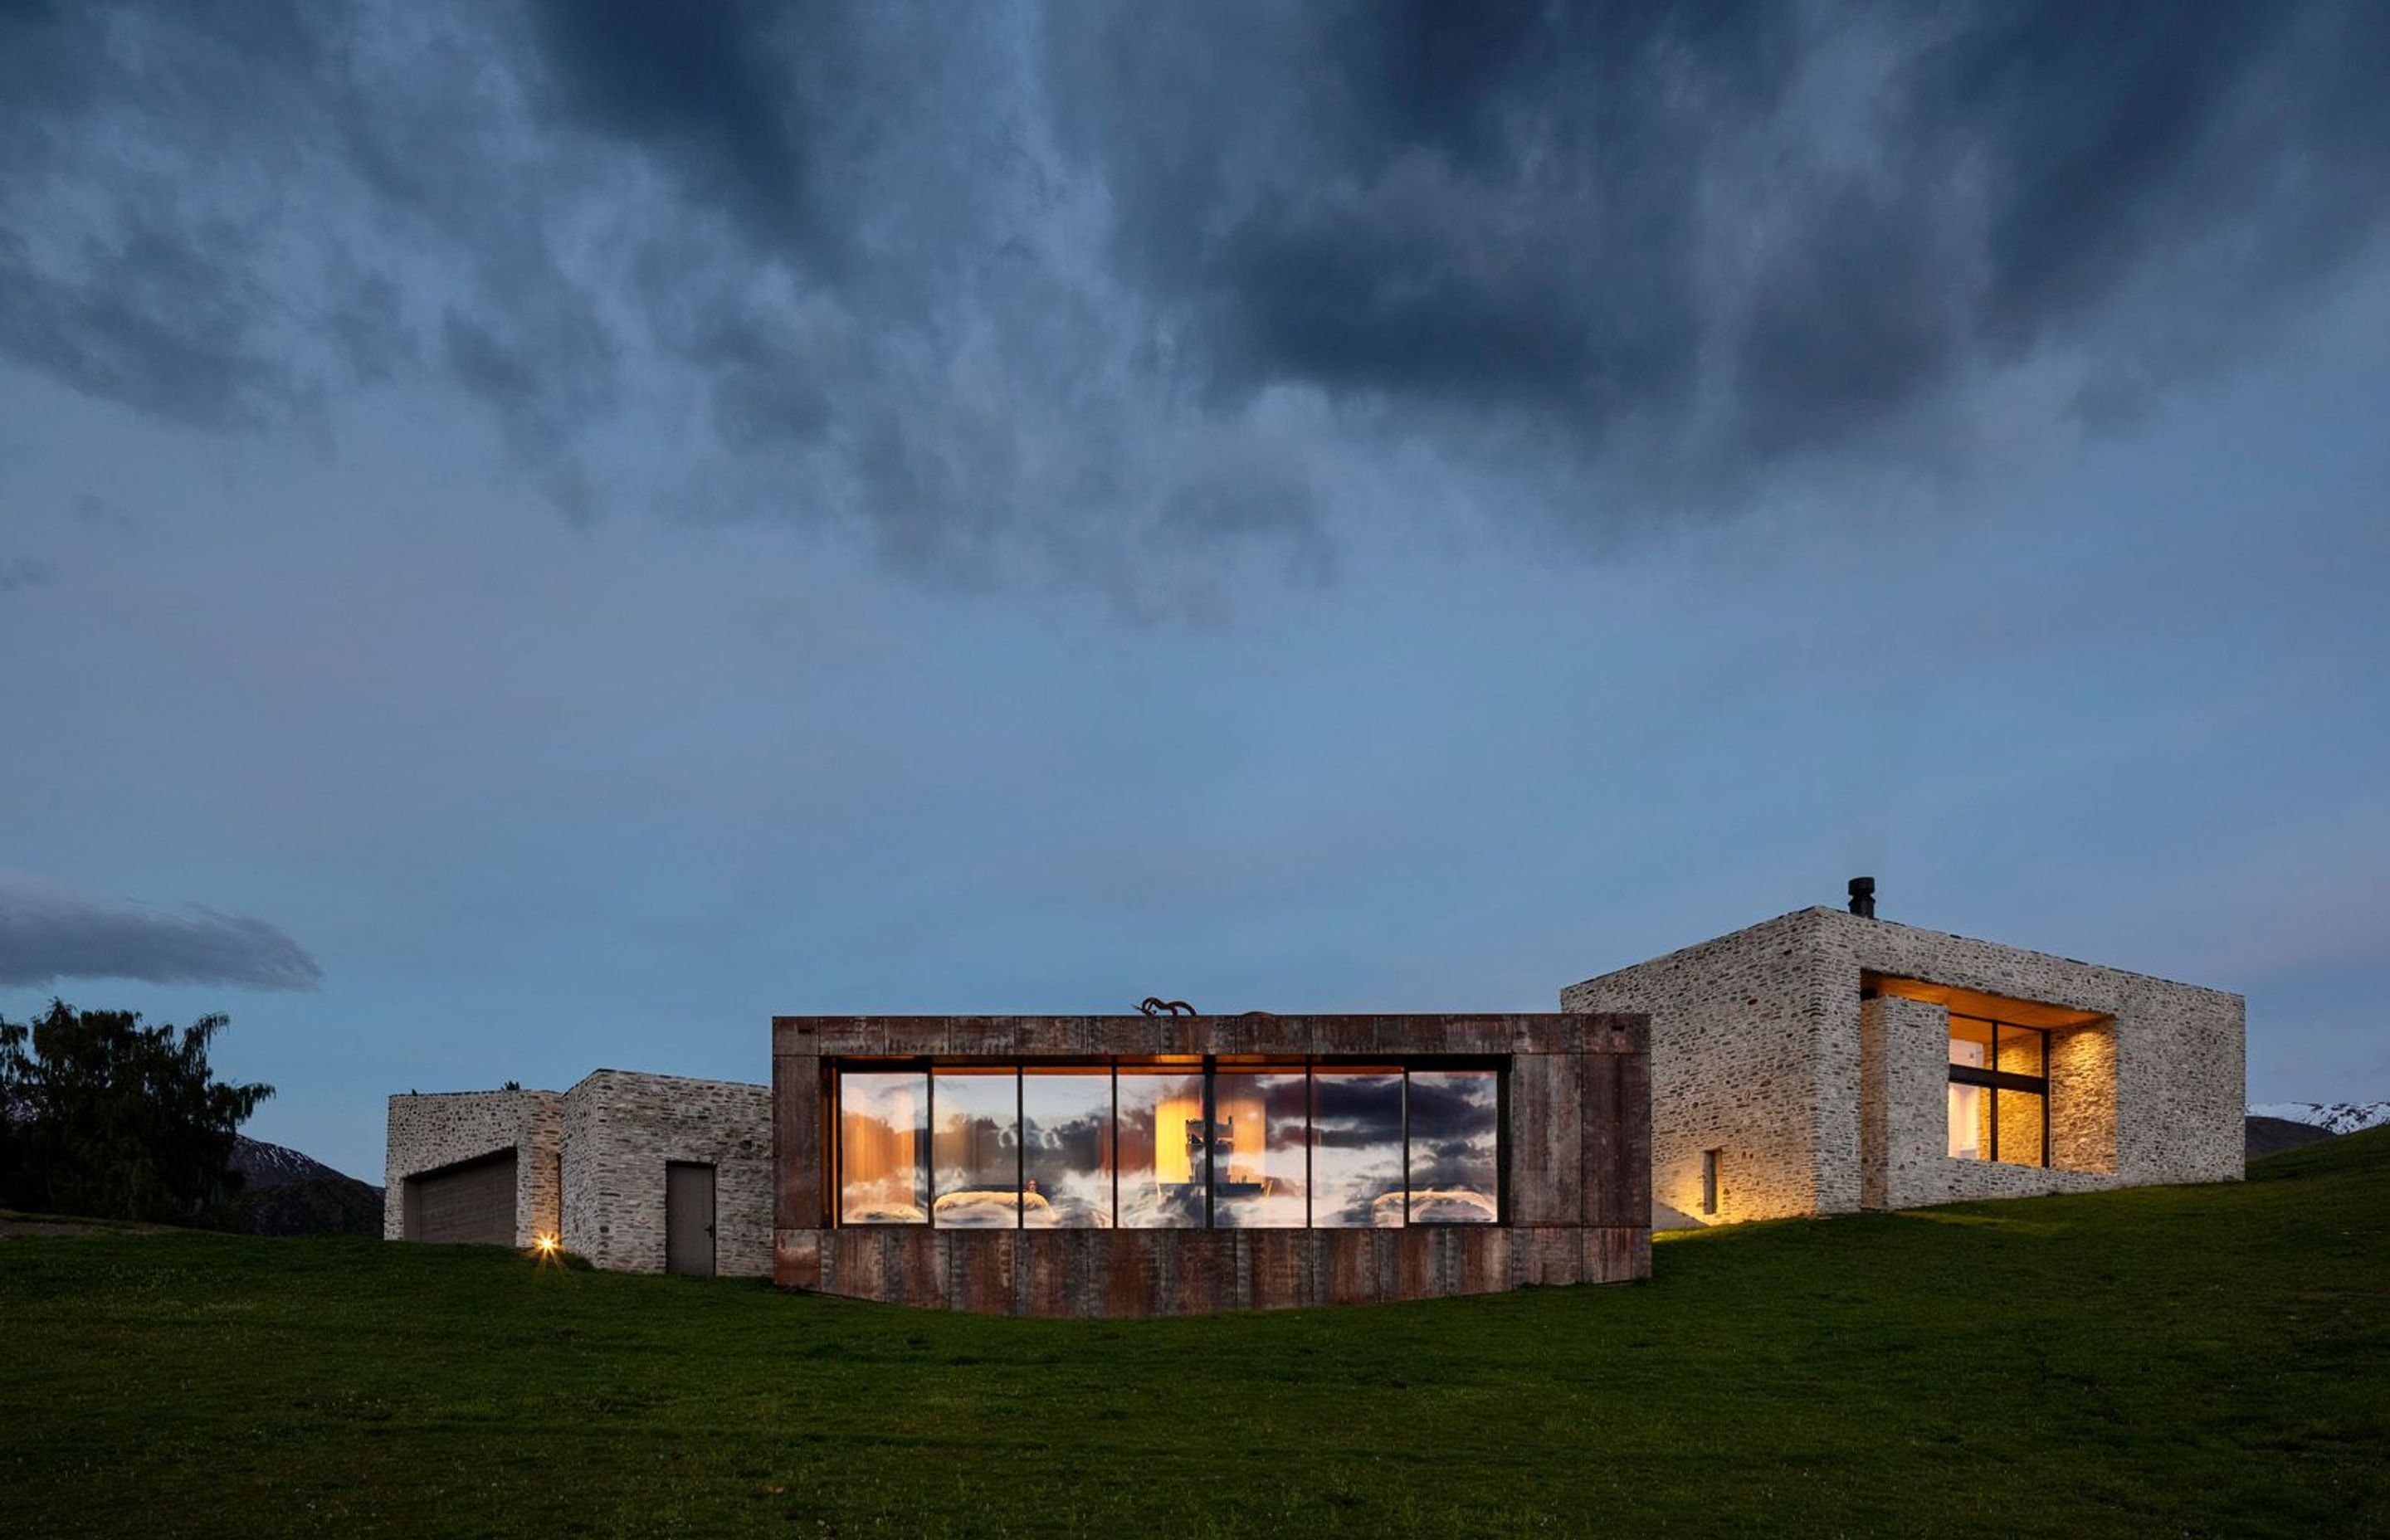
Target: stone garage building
x=1825 y=1062
x=637 y=1173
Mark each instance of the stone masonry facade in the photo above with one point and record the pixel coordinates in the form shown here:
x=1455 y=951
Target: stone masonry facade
x=427 y=1133
x=590 y=1161
x=1822 y=1101
x=621 y=1130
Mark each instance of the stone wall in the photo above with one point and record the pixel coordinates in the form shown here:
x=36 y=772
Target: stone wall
x=426 y=1133
x=1760 y=1047
x=1734 y=1066
x=621 y=1129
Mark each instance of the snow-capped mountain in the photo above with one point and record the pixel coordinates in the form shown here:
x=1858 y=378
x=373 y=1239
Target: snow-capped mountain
x=2338 y=1117
x=264 y=1165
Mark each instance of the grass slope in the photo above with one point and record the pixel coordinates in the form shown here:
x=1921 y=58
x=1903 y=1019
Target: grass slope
x=2175 y=1361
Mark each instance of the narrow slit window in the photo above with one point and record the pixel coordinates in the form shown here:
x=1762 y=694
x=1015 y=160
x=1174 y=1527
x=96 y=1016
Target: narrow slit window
x=1712 y=1162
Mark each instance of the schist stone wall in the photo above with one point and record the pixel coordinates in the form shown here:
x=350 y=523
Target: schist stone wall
x=1762 y=1048
x=1579 y=1204
x=590 y=1161
x=427 y=1133
x=621 y=1130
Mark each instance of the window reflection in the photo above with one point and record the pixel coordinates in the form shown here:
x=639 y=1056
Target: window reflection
x=1259 y=1117
x=1455 y=1122
x=1165 y=1158
x=882 y=1120
x=1153 y=1146
x=1356 y=1154
x=1067 y=1140
x=976 y=1151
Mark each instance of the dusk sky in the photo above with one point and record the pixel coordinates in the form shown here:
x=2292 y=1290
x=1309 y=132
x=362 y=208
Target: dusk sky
x=533 y=537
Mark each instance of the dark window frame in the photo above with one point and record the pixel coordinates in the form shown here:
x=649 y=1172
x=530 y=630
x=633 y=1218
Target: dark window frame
x=1208 y=1067
x=1997 y=1080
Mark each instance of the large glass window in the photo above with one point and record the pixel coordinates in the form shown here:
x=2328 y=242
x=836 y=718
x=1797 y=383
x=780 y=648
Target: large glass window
x=979 y=1146
x=975 y=1151
x=1455 y=1122
x=1357 y=1148
x=882 y=1125
x=1999 y=1092
x=1259 y=1126
x=1067 y=1142
x=1165 y=1158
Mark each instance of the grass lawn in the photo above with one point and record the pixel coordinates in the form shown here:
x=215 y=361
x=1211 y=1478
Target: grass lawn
x=2176 y=1361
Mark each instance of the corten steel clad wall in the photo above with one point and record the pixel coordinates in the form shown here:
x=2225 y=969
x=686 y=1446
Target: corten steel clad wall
x=1578 y=1144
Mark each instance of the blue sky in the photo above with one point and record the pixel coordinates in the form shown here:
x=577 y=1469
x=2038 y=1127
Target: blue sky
x=582 y=630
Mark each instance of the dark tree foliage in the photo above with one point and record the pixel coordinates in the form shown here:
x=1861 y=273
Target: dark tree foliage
x=100 y=1115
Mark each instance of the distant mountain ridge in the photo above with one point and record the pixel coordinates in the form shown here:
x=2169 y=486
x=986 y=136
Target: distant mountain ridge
x=2335 y=1117
x=284 y=1192
x=264 y=1165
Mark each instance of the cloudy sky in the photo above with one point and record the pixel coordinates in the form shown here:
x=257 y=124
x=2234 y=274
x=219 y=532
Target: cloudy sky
x=534 y=536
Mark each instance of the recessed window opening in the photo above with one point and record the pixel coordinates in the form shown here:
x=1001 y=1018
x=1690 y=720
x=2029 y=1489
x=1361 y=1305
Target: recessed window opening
x=1190 y=1144
x=1713 y=1160
x=1999 y=1092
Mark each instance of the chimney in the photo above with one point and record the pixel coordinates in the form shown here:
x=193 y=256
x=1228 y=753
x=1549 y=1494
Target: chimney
x=1863 y=897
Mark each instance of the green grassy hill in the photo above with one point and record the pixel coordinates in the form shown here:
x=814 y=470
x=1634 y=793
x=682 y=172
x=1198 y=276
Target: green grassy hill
x=2177 y=1361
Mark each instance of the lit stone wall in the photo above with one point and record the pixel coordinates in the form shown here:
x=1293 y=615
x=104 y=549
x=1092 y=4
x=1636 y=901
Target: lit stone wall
x=1758 y=1047
x=1734 y=1067
x=620 y=1131
x=427 y=1132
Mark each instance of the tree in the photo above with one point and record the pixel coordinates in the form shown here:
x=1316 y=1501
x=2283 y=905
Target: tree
x=100 y=1115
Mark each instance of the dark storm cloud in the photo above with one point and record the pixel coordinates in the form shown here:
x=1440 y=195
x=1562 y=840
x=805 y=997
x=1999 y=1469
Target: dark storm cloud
x=1754 y=237
x=718 y=90
x=1116 y=294
x=48 y=932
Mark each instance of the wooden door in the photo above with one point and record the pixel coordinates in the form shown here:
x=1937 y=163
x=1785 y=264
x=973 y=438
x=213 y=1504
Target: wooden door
x=688 y=1219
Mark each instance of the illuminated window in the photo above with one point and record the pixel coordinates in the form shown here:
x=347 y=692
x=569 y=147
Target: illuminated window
x=1165 y=1160
x=1066 y=1137
x=883 y=1124
x=1260 y=1143
x=1999 y=1092
x=975 y=1151
x=1169 y=1146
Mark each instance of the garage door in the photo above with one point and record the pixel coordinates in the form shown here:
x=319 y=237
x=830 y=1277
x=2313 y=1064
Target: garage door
x=474 y=1201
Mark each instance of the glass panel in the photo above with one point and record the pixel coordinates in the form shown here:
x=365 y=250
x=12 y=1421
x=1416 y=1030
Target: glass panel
x=1970 y=1122
x=1260 y=1121
x=1456 y=1120
x=882 y=1118
x=2020 y=1118
x=975 y=1151
x=1068 y=1144
x=1971 y=1043
x=1356 y=1155
x=1162 y=1155
x=2020 y=1050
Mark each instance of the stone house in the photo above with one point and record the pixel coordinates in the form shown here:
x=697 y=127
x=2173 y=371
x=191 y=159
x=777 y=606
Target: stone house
x=1819 y=1062
x=637 y=1173
x=1825 y=1062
